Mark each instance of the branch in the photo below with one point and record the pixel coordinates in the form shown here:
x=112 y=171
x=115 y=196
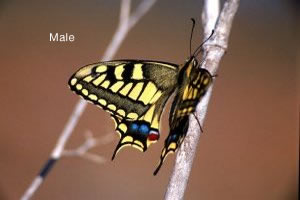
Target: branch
x=90 y=142
x=126 y=23
x=214 y=49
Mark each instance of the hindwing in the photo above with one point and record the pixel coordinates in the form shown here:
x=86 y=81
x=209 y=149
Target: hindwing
x=134 y=92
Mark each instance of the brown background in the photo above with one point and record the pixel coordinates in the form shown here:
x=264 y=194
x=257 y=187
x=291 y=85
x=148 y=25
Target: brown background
x=250 y=146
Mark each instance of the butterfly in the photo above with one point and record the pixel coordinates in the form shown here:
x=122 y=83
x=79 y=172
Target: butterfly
x=135 y=93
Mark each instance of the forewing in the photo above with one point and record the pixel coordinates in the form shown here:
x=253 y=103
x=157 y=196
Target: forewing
x=132 y=91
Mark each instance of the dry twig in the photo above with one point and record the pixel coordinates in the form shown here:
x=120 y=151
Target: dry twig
x=89 y=143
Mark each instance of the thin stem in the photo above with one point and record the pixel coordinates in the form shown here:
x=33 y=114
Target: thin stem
x=126 y=25
x=89 y=143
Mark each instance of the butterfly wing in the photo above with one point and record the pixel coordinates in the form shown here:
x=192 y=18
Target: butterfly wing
x=193 y=87
x=134 y=92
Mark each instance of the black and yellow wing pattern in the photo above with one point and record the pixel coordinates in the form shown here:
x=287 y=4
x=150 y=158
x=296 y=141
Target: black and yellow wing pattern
x=135 y=92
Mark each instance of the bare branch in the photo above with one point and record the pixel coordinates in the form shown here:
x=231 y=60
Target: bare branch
x=214 y=51
x=90 y=142
x=141 y=10
x=124 y=12
x=126 y=23
x=67 y=131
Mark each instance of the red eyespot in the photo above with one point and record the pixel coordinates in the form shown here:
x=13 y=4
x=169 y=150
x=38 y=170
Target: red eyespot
x=153 y=135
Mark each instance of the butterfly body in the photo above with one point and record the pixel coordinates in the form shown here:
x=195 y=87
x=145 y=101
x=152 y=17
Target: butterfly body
x=135 y=92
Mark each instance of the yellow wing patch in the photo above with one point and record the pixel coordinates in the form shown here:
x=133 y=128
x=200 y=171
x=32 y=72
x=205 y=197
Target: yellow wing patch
x=118 y=71
x=105 y=84
x=99 y=80
x=73 y=81
x=136 y=91
x=148 y=93
x=126 y=89
x=115 y=87
x=101 y=68
x=137 y=72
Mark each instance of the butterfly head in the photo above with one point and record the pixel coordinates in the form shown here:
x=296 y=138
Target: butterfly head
x=191 y=60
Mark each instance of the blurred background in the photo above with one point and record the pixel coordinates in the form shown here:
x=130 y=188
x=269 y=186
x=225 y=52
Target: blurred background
x=250 y=146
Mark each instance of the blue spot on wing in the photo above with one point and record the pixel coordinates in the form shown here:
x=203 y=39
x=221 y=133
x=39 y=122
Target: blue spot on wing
x=134 y=127
x=144 y=129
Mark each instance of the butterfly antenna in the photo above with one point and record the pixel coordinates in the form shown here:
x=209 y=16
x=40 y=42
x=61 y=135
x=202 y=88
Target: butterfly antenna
x=198 y=122
x=193 y=20
x=200 y=46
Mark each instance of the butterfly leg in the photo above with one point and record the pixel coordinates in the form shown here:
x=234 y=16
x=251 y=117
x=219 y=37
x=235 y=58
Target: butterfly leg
x=198 y=122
